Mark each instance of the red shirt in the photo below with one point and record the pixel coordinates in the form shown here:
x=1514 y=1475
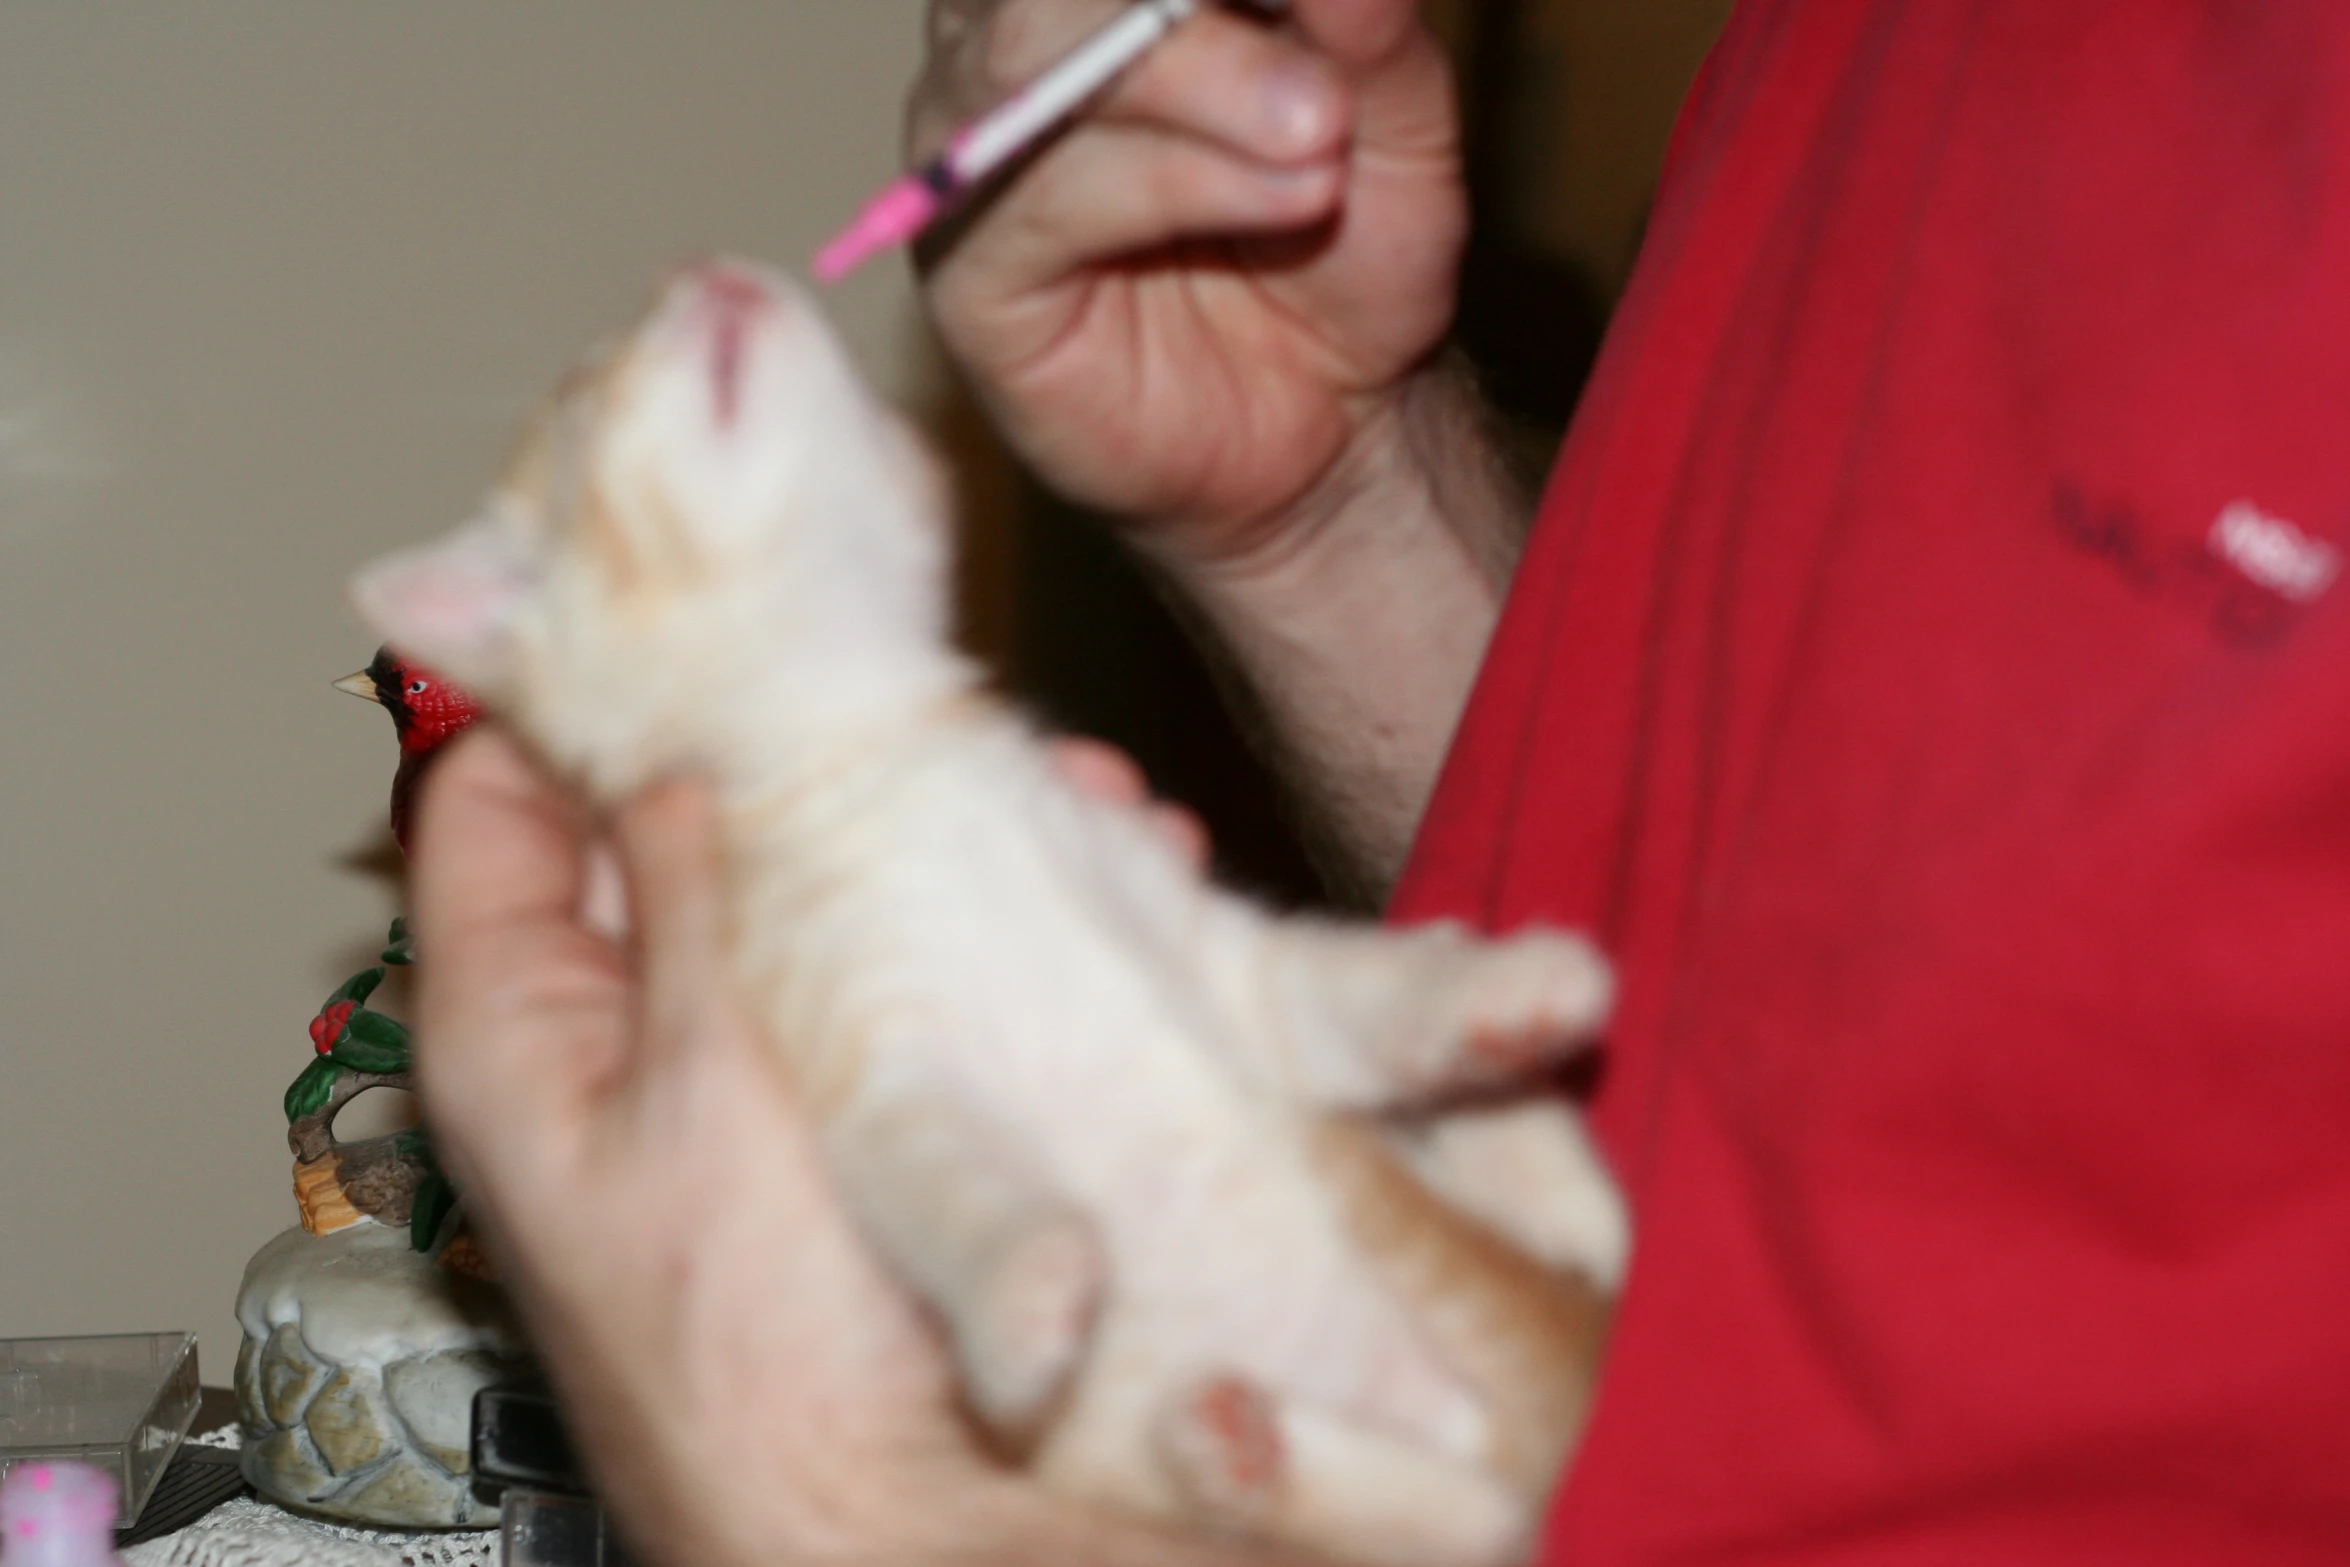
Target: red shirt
x=1929 y=678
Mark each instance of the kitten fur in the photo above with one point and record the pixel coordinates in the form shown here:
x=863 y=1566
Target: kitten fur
x=1164 y=1165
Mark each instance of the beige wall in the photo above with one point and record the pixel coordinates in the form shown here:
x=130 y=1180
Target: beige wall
x=274 y=281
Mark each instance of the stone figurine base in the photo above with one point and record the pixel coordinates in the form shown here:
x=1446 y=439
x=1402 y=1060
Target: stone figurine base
x=357 y=1374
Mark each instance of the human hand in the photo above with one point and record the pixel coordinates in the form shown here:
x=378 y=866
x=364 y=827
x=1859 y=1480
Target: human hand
x=1192 y=308
x=746 y=1384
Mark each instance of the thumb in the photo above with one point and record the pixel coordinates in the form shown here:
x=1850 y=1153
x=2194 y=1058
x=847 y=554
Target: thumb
x=668 y=842
x=1360 y=34
x=1406 y=114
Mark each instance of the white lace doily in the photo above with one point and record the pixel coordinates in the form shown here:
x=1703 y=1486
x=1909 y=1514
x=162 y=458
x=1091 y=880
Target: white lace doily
x=250 y=1532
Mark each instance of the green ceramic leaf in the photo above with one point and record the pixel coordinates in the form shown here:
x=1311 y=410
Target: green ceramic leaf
x=372 y=1042
x=313 y=1088
x=434 y=1198
x=357 y=988
x=400 y=948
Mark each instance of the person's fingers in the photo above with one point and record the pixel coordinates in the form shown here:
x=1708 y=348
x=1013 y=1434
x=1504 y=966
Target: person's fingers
x=668 y=842
x=516 y=1001
x=981 y=51
x=603 y=898
x=495 y=842
x=1016 y=41
x=1256 y=94
x=1405 y=106
x=1221 y=81
x=1357 y=33
x=1116 y=190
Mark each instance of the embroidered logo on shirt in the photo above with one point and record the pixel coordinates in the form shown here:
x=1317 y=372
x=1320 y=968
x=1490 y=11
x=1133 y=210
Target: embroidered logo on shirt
x=2274 y=553
x=2252 y=573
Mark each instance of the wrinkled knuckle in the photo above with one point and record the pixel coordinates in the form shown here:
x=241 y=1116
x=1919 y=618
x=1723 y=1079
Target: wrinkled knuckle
x=951 y=22
x=1041 y=226
x=960 y=306
x=928 y=109
x=995 y=58
x=946 y=93
x=1184 y=184
x=1019 y=39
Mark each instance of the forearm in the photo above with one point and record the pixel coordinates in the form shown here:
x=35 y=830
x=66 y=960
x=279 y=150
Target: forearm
x=1020 y=1525
x=1355 y=638
x=962 y=1518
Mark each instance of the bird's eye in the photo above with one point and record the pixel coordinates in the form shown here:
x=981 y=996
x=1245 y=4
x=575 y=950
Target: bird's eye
x=419 y=687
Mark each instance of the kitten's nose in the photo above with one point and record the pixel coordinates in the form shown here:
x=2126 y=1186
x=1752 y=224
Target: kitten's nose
x=728 y=301
x=732 y=288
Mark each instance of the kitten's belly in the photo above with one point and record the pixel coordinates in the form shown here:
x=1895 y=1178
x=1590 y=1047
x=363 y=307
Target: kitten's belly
x=1228 y=1246
x=1058 y=1025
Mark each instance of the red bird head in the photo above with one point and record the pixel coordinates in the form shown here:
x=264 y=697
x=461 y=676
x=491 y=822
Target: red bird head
x=427 y=713
x=426 y=710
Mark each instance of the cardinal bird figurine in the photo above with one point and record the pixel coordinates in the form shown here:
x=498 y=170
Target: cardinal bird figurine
x=427 y=712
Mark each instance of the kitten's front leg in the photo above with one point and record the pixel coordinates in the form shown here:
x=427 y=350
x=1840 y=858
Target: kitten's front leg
x=1362 y=1018
x=1014 y=1269
x=1367 y=1019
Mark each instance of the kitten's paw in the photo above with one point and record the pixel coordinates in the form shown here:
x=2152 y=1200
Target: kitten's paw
x=1222 y=1444
x=1030 y=1326
x=1534 y=999
x=1529 y=1171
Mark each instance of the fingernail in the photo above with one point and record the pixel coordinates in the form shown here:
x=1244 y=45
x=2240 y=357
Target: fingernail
x=1295 y=108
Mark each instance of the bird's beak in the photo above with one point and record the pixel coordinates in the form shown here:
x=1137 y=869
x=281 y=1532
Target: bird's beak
x=361 y=684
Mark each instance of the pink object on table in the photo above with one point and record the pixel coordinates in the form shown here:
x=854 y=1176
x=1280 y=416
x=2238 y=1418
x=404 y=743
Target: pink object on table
x=57 y=1515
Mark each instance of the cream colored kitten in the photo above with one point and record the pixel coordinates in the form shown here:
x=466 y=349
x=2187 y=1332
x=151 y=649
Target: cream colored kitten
x=1140 y=1144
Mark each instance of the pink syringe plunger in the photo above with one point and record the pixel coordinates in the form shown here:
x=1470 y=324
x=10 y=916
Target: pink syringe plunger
x=907 y=205
x=902 y=210
x=57 y=1515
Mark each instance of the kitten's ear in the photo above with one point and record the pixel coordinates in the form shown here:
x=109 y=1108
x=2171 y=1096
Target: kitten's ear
x=452 y=602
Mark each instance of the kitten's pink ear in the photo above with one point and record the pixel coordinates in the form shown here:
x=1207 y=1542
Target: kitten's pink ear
x=450 y=603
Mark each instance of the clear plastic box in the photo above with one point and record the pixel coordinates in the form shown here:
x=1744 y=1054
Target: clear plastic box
x=120 y=1402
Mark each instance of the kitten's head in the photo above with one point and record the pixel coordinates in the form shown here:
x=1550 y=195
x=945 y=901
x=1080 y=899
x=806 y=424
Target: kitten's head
x=716 y=489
